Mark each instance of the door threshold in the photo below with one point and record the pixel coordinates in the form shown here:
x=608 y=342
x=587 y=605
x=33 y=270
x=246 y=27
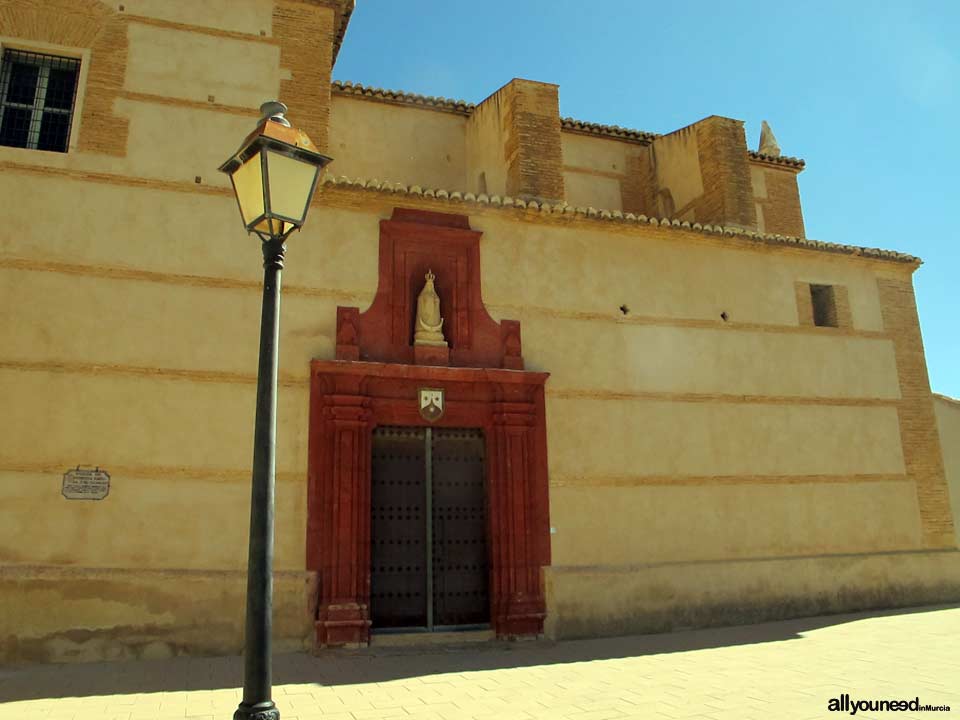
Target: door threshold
x=412 y=638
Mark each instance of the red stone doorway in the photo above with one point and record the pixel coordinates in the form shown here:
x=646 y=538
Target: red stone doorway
x=375 y=381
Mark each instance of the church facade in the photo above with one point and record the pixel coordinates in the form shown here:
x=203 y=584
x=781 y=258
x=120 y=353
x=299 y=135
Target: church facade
x=537 y=375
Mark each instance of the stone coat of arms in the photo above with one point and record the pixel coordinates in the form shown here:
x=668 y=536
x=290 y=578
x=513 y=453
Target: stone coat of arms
x=431 y=404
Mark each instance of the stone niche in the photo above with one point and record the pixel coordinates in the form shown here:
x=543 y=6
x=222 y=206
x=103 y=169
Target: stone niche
x=413 y=242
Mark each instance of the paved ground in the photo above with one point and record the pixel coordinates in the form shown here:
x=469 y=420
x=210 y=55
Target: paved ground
x=776 y=670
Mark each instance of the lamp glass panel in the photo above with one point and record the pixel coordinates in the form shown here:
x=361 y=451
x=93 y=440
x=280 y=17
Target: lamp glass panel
x=248 y=184
x=273 y=227
x=290 y=184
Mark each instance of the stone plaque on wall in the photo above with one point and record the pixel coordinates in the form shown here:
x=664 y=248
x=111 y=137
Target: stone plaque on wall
x=86 y=484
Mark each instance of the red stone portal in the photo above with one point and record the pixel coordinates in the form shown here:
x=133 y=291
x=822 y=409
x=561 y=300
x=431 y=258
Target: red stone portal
x=375 y=381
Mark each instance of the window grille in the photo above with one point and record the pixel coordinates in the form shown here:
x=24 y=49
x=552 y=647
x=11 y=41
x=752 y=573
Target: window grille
x=37 y=93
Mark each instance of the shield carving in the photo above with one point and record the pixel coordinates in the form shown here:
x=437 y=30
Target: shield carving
x=431 y=404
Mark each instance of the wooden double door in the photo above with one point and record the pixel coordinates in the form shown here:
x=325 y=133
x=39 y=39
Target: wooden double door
x=428 y=540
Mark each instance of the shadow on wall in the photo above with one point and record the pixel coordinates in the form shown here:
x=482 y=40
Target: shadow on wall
x=344 y=667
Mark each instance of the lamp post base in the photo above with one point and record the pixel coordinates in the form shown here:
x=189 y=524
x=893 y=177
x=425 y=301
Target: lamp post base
x=260 y=711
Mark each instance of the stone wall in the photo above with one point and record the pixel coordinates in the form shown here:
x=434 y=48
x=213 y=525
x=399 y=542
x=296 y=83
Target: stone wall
x=121 y=253
x=707 y=443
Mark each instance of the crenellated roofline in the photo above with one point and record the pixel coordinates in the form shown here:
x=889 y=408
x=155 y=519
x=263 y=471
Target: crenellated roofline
x=462 y=107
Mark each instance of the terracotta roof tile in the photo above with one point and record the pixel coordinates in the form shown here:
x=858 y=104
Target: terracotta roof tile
x=616 y=131
x=403 y=98
x=778 y=159
x=345 y=8
x=616 y=216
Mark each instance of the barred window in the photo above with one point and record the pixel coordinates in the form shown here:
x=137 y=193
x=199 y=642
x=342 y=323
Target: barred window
x=37 y=93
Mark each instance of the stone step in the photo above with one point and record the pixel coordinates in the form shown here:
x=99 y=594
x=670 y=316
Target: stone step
x=413 y=639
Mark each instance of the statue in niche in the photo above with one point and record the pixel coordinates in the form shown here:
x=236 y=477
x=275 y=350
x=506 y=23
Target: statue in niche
x=429 y=323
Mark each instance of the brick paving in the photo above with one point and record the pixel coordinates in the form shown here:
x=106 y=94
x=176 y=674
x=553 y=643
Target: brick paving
x=778 y=670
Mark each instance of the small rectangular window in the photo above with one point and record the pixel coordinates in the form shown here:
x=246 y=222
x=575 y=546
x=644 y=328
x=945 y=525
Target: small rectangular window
x=37 y=95
x=824 y=304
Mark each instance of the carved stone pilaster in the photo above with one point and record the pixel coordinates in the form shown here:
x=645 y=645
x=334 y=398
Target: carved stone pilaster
x=518 y=603
x=339 y=545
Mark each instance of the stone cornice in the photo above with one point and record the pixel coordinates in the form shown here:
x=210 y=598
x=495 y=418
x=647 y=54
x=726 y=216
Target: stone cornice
x=544 y=207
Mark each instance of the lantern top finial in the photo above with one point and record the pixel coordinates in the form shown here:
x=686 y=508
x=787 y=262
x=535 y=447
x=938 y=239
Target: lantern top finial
x=274 y=174
x=274 y=110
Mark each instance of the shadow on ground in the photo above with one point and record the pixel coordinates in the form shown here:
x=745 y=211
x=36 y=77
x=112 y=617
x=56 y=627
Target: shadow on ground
x=380 y=665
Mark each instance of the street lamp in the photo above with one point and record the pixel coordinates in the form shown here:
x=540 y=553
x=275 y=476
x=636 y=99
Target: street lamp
x=274 y=176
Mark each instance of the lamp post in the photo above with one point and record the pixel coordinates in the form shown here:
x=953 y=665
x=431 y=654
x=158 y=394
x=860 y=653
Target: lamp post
x=274 y=176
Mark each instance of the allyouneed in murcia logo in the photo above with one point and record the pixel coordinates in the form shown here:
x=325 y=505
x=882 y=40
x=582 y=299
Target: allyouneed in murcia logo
x=845 y=703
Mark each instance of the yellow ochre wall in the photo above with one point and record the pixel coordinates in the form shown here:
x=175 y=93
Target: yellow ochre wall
x=948 y=424
x=486 y=147
x=397 y=144
x=595 y=169
x=677 y=168
x=136 y=345
x=701 y=470
x=679 y=440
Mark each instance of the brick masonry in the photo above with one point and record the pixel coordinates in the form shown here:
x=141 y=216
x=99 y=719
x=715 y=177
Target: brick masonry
x=532 y=145
x=781 y=209
x=638 y=189
x=82 y=24
x=728 y=190
x=841 y=297
x=306 y=34
x=918 y=424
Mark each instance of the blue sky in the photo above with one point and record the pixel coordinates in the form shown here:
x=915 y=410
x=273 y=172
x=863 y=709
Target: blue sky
x=868 y=93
